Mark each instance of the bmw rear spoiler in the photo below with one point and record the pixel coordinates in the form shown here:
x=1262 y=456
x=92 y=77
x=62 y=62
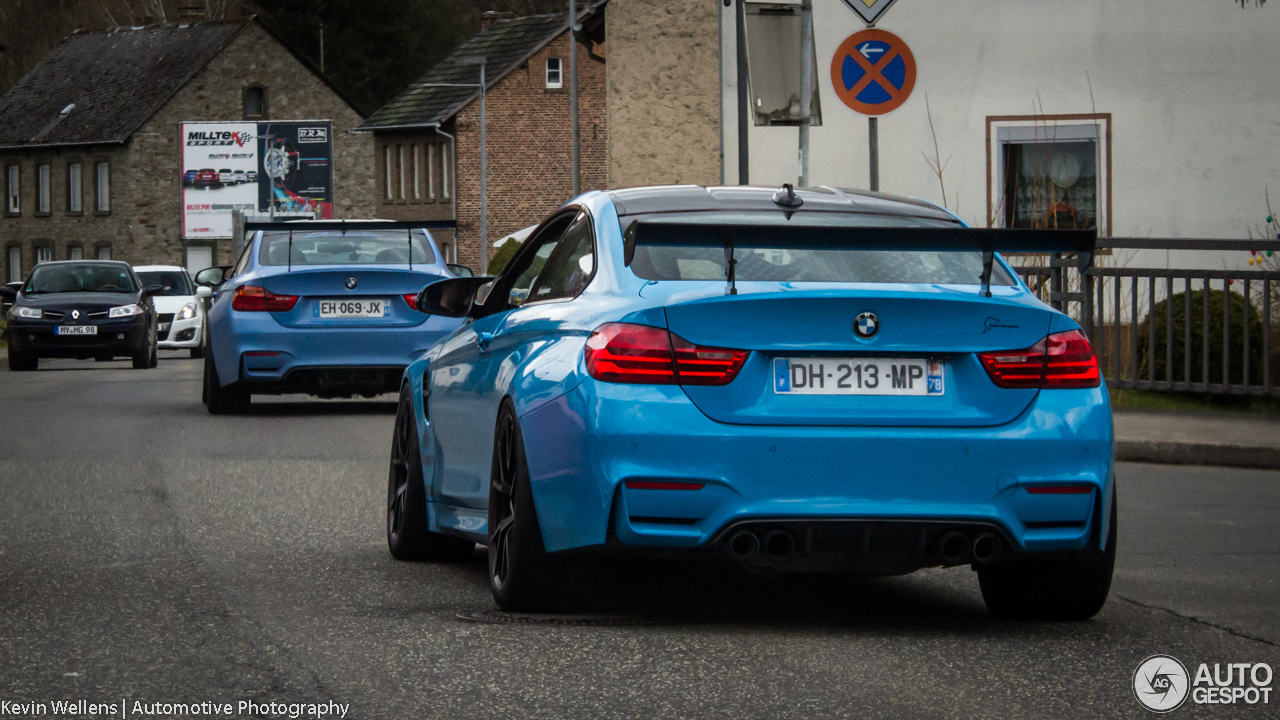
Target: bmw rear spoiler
x=776 y=230
x=344 y=226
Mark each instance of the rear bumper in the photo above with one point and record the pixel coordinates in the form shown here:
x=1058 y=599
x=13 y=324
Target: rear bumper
x=269 y=357
x=114 y=338
x=585 y=446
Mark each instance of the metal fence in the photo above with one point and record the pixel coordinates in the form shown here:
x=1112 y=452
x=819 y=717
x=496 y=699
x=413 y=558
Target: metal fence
x=1205 y=331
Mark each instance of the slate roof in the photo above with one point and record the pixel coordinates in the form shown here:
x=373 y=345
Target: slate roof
x=504 y=45
x=116 y=78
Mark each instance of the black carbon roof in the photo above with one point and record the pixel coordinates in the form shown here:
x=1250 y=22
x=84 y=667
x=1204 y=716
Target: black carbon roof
x=116 y=79
x=695 y=198
x=504 y=45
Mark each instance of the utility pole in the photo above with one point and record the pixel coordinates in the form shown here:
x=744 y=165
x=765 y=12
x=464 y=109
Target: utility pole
x=322 y=48
x=484 y=167
x=806 y=86
x=744 y=99
x=573 y=97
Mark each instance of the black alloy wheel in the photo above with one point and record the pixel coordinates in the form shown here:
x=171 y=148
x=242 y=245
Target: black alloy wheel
x=522 y=576
x=408 y=535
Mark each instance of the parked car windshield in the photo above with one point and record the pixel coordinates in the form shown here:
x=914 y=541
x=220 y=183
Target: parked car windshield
x=175 y=282
x=354 y=247
x=71 y=278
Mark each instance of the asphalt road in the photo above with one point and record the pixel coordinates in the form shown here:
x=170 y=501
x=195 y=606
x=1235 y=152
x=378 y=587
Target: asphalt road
x=150 y=552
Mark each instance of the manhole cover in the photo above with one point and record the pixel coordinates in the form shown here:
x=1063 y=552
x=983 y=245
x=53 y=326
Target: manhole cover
x=497 y=617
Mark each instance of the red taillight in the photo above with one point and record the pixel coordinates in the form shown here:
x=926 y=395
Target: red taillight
x=255 y=298
x=1059 y=489
x=1061 y=360
x=624 y=353
x=412 y=299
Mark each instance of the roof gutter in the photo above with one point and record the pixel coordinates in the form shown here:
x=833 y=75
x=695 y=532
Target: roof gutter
x=63 y=144
x=409 y=126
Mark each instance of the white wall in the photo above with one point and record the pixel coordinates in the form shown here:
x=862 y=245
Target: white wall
x=1191 y=86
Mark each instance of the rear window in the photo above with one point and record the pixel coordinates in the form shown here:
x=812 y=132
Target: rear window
x=825 y=266
x=175 y=282
x=354 y=247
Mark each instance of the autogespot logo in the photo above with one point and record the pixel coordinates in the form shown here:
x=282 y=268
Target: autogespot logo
x=1160 y=683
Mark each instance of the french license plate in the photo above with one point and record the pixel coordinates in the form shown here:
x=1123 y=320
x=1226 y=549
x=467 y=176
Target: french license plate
x=364 y=308
x=75 y=329
x=857 y=376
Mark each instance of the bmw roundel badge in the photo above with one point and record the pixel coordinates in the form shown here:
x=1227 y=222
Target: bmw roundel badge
x=866 y=325
x=351 y=283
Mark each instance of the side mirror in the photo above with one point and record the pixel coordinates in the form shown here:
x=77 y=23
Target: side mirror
x=452 y=297
x=212 y=276
x=461 y=271
x=8 y=293
x=204 y=292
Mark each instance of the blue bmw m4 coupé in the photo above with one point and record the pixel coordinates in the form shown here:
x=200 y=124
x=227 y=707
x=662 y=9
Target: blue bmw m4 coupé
x=324 y=308
x=798 y=381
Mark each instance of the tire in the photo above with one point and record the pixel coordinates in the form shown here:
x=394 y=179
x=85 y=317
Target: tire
x=1067 y=589
x=222 y=399
x=101 y=358
x=22 y=362
x=145 y=357
x=522 y=576
x=197 y=352
x=155 y=355
x=408 y=536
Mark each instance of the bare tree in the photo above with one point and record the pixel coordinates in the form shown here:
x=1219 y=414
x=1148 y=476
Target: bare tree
x=936 y=164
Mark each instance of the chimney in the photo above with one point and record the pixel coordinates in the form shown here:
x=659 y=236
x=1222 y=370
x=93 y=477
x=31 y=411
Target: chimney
x=493 y=17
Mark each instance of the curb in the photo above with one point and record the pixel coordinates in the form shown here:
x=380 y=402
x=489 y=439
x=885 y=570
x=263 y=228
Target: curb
x=1174 y=453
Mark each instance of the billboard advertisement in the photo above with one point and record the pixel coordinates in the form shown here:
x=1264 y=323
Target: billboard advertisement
x=256 y=167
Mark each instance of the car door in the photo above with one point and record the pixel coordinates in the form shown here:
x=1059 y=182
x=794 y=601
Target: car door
x=464 y=402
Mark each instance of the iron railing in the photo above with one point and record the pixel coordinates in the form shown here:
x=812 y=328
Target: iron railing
x=1158 y=329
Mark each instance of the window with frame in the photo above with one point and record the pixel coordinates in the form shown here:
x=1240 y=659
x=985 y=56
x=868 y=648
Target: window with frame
x=431 y=171
x=417 y=180
x=75 y=252
x=13 y=183
x=15 y=263
x=560 y=268
x=75 y=187
x=445 y=154
x=555 y=73
x=44 y=254
x=1049 y=172
x=104 y=252
x=386 y=170
x=44 y=188
x=255 y=103
x=400 y=169
x=102 y=187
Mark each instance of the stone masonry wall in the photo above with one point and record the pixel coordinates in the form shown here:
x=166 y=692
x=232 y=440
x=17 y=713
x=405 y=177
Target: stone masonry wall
x=144 y=224
x=529 y=147
x=663 y=92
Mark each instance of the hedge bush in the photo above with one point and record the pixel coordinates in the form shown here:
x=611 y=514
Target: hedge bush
x=1236 y=339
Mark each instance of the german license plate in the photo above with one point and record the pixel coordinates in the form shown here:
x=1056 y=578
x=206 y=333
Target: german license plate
x=75 y=329
x=857 y=376
x=363 y=308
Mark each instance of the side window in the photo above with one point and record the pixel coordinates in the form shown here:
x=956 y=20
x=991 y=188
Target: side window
x=569 y=265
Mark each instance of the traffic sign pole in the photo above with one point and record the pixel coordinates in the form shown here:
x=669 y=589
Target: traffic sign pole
x=873 y=72
x=806 y=87
x=873 y=150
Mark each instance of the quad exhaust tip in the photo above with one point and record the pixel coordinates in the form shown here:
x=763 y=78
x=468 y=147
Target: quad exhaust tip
x=986 y=548
x=744 y=545
x=954 y=548
x=778 y=544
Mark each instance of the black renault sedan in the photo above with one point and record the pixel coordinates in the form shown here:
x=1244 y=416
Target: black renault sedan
x=81 y=309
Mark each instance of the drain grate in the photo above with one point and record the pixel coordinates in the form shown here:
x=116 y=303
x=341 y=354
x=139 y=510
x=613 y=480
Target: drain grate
x=498 y=617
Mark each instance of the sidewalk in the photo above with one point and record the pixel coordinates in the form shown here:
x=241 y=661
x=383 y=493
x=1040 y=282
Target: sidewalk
x=1230 y=439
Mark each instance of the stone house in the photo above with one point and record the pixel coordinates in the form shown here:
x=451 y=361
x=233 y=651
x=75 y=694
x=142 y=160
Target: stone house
x=90 y=154
x=427 y=139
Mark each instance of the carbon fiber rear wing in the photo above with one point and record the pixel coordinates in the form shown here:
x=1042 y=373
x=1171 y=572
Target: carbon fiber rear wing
x=304 y=226
x=833 y=232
